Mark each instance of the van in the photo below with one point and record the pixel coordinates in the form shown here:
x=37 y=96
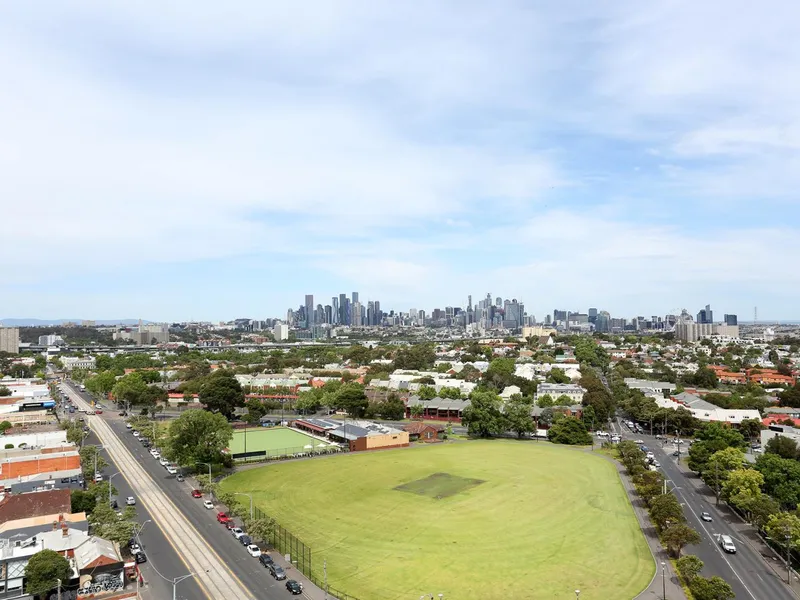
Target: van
x=602 y=434
x=727 y=544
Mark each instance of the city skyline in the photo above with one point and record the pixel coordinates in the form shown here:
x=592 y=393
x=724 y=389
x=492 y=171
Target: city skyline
x=209 y=163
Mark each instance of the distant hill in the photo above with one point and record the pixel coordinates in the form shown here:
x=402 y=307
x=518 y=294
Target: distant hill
x=49 y=322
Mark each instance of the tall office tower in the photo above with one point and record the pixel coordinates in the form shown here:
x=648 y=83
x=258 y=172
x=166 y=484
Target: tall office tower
x=731 y=320
x=378 y=314
x=329 y=314
x=309 y=311
x=355 y=297
x=498 y=301
x=319 y=315
x=334 y=310
x=548 y=320
x=370 y=312
x=592 y=315
x=342 y=309
x=469 y=302
x=706 y=315
x=348 y=311
x=603 y=322
x=421 y=317
x=9 y=340
x=356 y=317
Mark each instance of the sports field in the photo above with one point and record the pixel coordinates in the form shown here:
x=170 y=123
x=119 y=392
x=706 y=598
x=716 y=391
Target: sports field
x=480 y=519
x=273 y=440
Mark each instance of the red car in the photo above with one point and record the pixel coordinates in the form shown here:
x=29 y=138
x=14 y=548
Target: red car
x=223 y=518
x=98 y=412
x=197 y=494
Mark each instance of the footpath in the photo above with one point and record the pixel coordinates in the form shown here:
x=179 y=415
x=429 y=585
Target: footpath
x=665 y=582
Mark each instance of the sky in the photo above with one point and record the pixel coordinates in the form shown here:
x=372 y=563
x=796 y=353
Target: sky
x=206 y=160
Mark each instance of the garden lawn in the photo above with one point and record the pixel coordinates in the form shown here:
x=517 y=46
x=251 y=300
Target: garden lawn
x=272 y=439
x=481 y=519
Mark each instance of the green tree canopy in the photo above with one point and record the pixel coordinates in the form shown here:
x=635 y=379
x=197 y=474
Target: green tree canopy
x=483 y=417
x=222 y=393
x=43 y=571
x=782 y=446
x=689 y=567
x=676 y=536
x=198 y=436
x=781 y=479
x=714 y=588
x=569 y=430
x=351 y=398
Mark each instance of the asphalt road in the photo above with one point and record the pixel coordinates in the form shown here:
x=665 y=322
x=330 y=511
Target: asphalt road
x=249 y=570
x=163 y=562
x=746 y=571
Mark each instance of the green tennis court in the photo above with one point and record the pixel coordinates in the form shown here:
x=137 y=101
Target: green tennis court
x=274 y=440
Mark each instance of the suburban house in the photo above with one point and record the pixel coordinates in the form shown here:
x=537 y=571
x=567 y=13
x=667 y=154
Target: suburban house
x=554 y=390
x=707 y=412
x=442 y=409
x=424 y=432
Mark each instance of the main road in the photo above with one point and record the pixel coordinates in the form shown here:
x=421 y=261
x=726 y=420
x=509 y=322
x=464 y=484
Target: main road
x=746 y=571
x=248 y=571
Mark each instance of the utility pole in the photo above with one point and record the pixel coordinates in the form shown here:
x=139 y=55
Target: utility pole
x=788 y=559
x=59 y=588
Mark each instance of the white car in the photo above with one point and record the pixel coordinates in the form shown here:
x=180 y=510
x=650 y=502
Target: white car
x=208 y=504
x=130 y=501
x=128 y=426
x=164 y=462
x=155 y=453
x=135 y=548
x=757 y=450
x=639 y=442
x=172 y=470
x=136 y=434
x=254 y=550
x=98 y=478
x=237 y=532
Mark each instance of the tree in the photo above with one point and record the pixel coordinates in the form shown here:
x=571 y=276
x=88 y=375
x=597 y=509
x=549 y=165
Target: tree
x=483 y=417
x=5 y=426
x=781 y=479
x=545 y=401
x=107 y=524
x=518 y=415
x=393 y=409
x=557 y=375
x=450 y=392
x=742 y=487
x=782 y=446
x=222 y=393
x=256 y=410
x=719 y=467
x=129 y=388
x=351 y=398
x=665 y=510
x=761 y=509
x=82 y=501
x=569 y=430
x=676 y=536
x=307 y=402
x=784 y=528
x=649 y=485
x=90 y=457
x=416 y=411
x=500 y=367
x=714 y=588
x=102 y=383
x=198 y=436
x=750 y=428
x=4 y=391
x=426 y=392
x=689 y=567
x=261 y=529
x=43 y=571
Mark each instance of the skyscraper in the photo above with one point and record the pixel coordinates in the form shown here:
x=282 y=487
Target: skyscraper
x=731 y=320
x=342 y=309
x=334 y=310
x=378 y=314
x=706 y=315
x=592 y=315
x=309 y=311
x=355 y=297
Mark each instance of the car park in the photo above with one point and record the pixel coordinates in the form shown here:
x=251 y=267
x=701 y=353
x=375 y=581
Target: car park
x=705 y=516
x=237 y=532
x=197 y=494
x=295 y=587
x=276 y=571
x=208 y=504
x=265 y=559
x=130 y=501
x=253 y=550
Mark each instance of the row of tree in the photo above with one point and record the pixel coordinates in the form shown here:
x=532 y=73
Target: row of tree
x=666 y=514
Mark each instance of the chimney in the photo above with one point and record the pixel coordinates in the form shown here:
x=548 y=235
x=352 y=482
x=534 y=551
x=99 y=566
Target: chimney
x=64 y=530
x=55 y=525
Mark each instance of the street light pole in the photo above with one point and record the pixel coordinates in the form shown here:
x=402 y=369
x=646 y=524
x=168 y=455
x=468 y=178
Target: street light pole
x=251 y=501
x=176 y=581
x=577 y=594
x=788 y=559
x=109 y=487
x=59 y=588
x=664 y=579
x=209 y=475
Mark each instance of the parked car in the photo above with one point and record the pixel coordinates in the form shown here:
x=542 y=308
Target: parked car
x=295 y=587
x=140 y=557
x=276 y=571
x=639 y=441
x=197 y=494
x=705 y=516
x=222 y=517
x=128 y=426
x=179 y=477
x=237 y=532
x=135 y=548
x=123 y=414
x=265 y=559
x=254 y=550
x=676 y=453
x=171 y=470
x=130 y=501
x=208 y=504
x=154 y=451
x=245 y=540
x=164 y=462
x=136 y=433
x=98 y=478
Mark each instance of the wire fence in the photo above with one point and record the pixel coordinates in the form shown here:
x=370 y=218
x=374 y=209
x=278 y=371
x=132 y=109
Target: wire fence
x=300 y=555
x=286 y=453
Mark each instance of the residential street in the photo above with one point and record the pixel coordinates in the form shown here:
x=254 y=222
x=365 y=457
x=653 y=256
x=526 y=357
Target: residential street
x=748 y=573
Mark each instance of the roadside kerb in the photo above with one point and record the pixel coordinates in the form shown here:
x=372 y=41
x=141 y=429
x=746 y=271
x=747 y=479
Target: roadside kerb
x=218 y=582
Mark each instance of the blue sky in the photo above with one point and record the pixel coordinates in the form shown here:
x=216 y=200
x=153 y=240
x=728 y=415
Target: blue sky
x=210 y=161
